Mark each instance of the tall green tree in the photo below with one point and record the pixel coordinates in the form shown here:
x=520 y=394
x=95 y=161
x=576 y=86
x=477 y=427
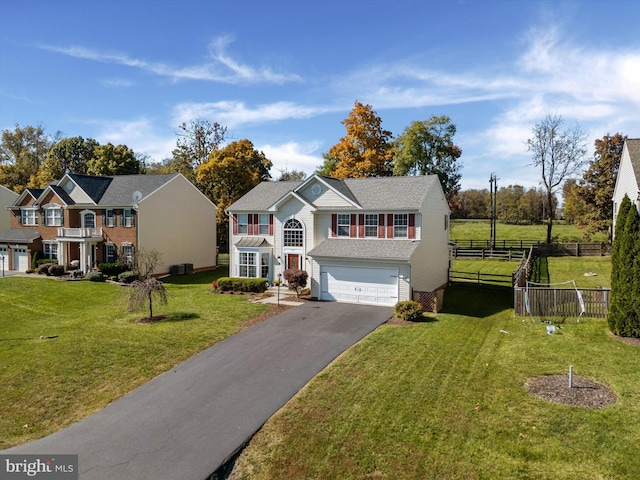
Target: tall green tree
x=559 y=153
x=113 y=160
x=624 y=308
x=328 y=166
x=230 y=173
x=197 y=139
x=22 y=152
x=426 y=148
x=597 y=185
x=365 y=151
x=71 y=154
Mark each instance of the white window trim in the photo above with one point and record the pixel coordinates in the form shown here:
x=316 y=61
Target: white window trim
x=397 y=227
x=243 y=223
x=24 y=218
x=54 y=221
x=83 y=213
x=342 y=224
x=375 y=217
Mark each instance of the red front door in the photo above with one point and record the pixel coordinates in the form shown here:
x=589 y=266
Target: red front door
x=293 y=261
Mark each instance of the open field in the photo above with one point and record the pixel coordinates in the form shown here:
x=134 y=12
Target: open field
x=481 y=230
x=552 y=269
x=93 y=351
x=445 y=399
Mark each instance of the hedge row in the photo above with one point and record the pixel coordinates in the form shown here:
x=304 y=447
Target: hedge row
x=254 y=285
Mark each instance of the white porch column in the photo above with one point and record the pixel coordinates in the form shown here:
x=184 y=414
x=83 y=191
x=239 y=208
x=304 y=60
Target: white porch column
x=62 y=254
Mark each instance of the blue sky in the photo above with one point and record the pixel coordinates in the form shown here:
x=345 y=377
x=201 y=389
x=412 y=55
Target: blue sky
x=284 y=74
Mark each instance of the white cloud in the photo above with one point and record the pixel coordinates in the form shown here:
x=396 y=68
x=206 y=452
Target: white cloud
x=232 y=113
x=139 y=134
x=291 y=156
x=221 y=67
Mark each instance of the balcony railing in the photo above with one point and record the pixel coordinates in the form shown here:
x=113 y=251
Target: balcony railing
x=80 y=232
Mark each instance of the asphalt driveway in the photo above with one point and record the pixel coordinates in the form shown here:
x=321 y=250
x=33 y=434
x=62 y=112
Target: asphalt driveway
x=188 y=421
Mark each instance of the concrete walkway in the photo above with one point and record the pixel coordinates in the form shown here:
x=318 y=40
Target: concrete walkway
x=187 y=422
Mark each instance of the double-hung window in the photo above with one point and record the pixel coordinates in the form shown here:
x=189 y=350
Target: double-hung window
x=126 y=251
x=109 y=252
x=263 y=224
x=247 y=264
x=127 y=218
x=400 y=225
x=370 y=225
x=264 y=265
x=29 y=216
x=344 y=224
x=110 y=217
x=243 y=223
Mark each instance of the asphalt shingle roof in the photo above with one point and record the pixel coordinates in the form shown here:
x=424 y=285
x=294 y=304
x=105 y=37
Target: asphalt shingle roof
x=365 y=248
x=19 y=235
x=380 y=193
x=633 y=144
x=121 y=188
x=263 y=196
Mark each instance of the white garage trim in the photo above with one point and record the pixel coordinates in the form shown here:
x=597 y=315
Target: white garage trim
x=20 y=259
x=373 y=286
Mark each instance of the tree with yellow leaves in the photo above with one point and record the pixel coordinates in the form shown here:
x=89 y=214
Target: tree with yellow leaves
x=228 y=174
x=366 y=150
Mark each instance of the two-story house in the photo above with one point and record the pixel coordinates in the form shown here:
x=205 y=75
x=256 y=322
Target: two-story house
x=628 y=180
x=85 y=220
x=368 y=240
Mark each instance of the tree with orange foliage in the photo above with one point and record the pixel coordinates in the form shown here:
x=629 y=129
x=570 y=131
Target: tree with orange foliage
x=366 y=149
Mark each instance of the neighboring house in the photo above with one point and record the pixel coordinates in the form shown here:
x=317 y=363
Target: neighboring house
x=7 y=197
x=628 y=181
x=370 y=240
x=87 y=220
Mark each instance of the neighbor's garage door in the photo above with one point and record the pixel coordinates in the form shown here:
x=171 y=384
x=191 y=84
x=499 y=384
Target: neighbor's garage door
x=4 y=258
x=20 y=259
x=378 y=286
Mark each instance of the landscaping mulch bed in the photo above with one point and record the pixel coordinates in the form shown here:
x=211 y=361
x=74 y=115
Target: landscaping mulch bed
x=628 y=340
x=156 y=318
x=585 y=393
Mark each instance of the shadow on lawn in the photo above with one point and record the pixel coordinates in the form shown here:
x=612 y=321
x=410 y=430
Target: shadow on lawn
x=477 y=300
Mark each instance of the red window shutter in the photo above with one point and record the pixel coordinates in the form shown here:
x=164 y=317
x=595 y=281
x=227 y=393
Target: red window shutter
x=249 y=224
x=412 y=225
x=256 y=228
x=361 y=225
x=389 y=225
x=381 y=225
x=271 y=224
x=334 y=225
x=235 y=223
x=352 y=225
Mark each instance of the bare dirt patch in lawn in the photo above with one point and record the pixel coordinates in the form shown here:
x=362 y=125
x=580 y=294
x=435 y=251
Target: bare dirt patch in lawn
x=584 y=393
x=628 y=340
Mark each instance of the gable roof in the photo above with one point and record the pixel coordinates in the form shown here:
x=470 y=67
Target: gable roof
x=373 y=193
x=263 y=196
x=633 y=145
x=91 y=185
x=121 y=188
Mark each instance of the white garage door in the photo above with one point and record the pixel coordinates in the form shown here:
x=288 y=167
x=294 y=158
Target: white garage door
x=4 y=258
x=20 y=259
x=376 y=286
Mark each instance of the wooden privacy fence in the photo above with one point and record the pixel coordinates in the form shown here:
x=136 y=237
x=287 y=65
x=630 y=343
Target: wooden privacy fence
x=562 y=302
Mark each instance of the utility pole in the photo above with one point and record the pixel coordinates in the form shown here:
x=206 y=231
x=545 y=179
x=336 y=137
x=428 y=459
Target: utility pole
x=493 y=190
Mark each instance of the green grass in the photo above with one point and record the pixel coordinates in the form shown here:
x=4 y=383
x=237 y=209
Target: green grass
x=553 y=269
x=446 y=399
x=97 y=352
x=481 y=230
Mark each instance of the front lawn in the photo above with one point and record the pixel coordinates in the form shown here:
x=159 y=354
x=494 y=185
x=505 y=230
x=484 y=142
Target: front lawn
x=67 y=349
x=446 y=399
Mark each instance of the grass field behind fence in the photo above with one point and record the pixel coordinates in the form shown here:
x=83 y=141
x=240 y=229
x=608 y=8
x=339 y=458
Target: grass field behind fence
x=481 y=230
